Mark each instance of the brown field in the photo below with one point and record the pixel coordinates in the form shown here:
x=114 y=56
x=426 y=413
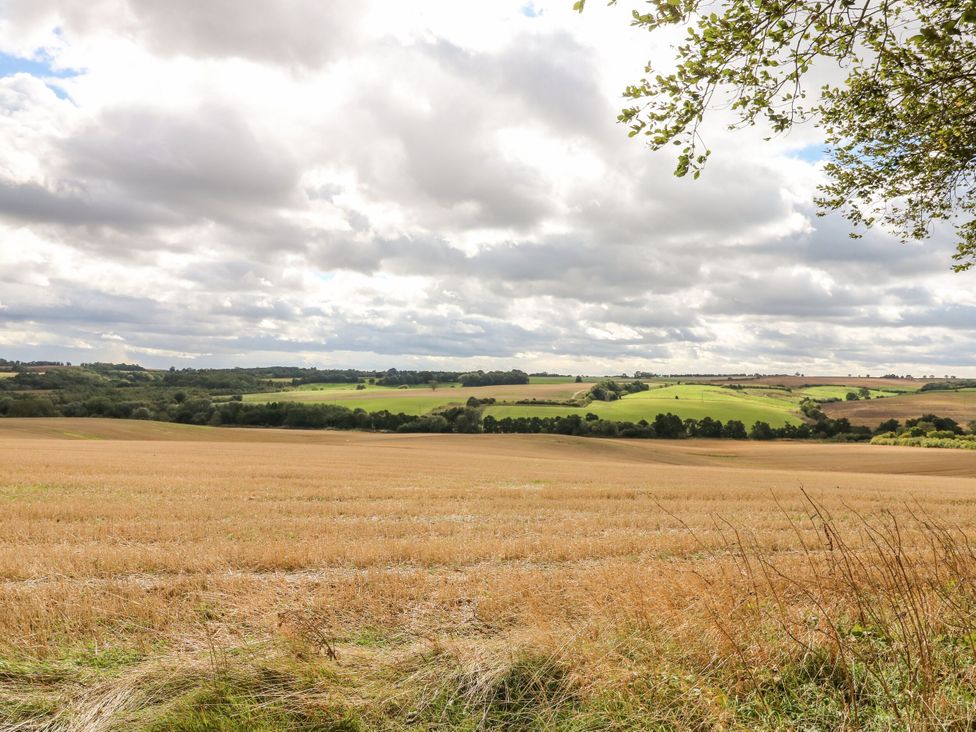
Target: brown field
x=324 y=580
x=959 y=405
x=795 y=382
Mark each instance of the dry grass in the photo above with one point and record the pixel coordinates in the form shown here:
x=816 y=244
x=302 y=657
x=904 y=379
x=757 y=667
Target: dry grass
x=500 y=581
x=876 y=382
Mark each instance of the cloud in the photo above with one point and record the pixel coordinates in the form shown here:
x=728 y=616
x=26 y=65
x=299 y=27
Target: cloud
x=207 y=164
x=375 y=184
x=296 y=33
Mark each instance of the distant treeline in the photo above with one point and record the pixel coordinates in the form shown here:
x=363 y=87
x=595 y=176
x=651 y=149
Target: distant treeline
x=108 y=367
x=105 y=377
x=395 y=377
x=238 y=380
x=6 y=365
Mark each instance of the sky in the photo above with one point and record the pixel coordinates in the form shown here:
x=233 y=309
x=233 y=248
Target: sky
x=426 y=184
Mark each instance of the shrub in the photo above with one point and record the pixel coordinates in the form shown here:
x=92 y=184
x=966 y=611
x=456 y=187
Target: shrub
x=32 y=407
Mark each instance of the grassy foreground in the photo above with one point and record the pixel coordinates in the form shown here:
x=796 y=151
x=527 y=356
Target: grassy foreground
x=263 y=580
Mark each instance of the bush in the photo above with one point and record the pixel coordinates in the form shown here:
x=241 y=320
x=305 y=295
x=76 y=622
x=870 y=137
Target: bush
x=735 y=430
x=32 y=407
x=430 y=423
x=74 y=409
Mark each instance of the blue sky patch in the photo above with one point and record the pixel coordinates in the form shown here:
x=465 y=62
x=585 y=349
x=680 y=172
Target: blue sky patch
x=810 y=153
x=10 y=65
x=529 y=10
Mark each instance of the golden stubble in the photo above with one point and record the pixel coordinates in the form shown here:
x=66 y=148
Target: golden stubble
x=139 y=534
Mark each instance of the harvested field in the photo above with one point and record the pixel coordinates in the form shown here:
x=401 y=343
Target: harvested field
x=959 y=405
x=337 y=580
x=796 y=382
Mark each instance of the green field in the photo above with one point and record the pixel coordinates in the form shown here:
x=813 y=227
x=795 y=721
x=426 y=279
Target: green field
x=7 y=374
x=417 y=399
x=687 y=401
x=407 y=401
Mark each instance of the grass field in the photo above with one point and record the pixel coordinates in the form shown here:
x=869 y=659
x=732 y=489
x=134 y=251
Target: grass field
x=415 y=400
x=693 y=400
x=959 y=405
x=158 y=577
x=7 y=374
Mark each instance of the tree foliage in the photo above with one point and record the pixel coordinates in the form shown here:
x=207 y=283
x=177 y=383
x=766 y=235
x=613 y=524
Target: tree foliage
x=900 y=124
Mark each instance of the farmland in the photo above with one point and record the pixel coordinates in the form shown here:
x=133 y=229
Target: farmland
x=686 y=400
x=799 y=382
x=959 y=405
x=774 y=400
x=159 y=576
x=419 y=399
x=841 y=392
x=439 y=401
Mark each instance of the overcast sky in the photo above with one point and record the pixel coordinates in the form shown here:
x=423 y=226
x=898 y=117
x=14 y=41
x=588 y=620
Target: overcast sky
x=413 y=184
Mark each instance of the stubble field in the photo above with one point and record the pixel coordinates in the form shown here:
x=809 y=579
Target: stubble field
x=163 y=577
x=959 y=405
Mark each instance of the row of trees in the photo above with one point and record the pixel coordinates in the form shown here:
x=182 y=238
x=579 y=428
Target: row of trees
x=671 y=426
x=664 y=426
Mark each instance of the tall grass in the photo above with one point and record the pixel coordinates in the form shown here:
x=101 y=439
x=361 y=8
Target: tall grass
x=869 y=631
